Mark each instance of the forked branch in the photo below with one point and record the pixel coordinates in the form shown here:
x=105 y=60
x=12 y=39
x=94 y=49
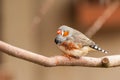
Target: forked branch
x=106 y=61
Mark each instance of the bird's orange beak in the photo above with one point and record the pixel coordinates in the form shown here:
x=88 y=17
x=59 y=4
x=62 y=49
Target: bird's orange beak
x=59 y=31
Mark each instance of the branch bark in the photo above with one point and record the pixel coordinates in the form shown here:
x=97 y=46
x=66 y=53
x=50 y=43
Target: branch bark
x=106 y=61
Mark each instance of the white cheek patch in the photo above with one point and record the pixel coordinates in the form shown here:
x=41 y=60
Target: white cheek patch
x=62 y=33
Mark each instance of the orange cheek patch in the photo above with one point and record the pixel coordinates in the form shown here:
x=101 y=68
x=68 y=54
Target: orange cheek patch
x=65 y=33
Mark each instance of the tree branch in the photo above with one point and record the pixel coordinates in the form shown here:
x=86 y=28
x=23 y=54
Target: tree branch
x=102 y=19
x=107 y=61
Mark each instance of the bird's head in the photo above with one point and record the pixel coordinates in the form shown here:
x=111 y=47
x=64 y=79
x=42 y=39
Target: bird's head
x=63 y=33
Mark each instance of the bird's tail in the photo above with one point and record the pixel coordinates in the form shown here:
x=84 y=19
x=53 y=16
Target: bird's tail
x=98 y=48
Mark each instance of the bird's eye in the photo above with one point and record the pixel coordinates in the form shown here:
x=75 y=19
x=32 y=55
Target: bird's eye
x=65 y=33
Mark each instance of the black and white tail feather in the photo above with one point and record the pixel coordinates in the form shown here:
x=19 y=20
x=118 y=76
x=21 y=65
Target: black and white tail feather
x=96 y=47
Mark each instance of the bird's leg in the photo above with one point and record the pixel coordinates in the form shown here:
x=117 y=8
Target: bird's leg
x=70 y=56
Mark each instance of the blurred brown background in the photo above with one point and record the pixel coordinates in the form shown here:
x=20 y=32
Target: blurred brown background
x=32 y=25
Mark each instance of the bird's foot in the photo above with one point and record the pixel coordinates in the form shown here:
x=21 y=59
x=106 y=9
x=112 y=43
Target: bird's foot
x=70 y=56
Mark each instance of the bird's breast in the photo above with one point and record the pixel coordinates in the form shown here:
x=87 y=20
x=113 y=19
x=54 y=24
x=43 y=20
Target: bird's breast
x=70 y=45
x=73 y=49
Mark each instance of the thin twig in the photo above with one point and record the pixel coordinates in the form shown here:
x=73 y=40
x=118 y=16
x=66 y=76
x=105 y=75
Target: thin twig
x=43 y=10
x=106 y=61
x=102 y=19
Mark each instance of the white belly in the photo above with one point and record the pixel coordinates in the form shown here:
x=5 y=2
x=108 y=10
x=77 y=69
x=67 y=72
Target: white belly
x=76 y=52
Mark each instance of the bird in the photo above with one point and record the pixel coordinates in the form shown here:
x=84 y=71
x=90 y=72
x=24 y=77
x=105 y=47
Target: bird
x=74 y=43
